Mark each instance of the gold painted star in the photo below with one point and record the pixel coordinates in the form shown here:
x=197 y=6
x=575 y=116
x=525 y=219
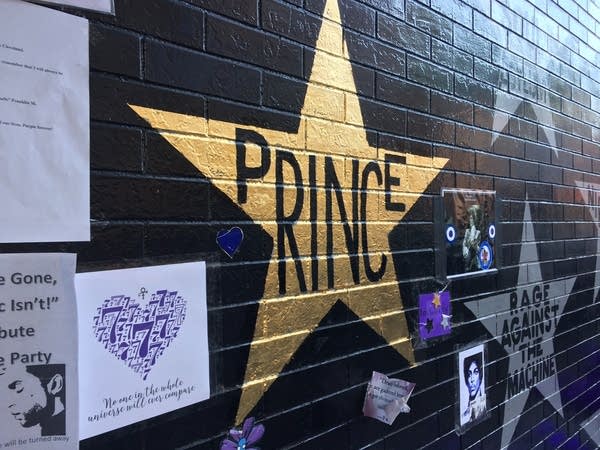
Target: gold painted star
x=436 y=300
x=328 y=199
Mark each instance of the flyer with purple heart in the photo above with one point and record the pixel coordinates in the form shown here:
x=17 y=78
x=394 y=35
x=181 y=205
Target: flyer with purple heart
x=143 y=346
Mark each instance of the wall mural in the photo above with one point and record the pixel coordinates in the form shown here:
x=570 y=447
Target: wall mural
x=322 y=177
x=319 y=196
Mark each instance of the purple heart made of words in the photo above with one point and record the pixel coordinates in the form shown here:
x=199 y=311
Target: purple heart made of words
x=136 y=334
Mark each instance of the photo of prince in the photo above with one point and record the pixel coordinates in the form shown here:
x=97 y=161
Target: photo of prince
x=36 y=396
x=473 y=405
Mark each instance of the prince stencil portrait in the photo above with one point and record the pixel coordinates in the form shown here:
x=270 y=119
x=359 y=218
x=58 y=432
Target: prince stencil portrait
x=473 y=405
x=35 y=397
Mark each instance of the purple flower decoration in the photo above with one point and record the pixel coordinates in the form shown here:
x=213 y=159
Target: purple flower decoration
x=244 y=438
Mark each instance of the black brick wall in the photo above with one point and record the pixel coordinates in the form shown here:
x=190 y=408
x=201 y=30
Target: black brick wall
x=435 y=78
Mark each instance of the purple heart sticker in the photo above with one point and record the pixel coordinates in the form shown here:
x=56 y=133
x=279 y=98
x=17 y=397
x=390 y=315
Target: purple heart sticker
x=138 y=335
x=230 y=240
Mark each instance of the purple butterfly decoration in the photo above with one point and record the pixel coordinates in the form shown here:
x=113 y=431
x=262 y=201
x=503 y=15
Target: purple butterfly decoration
x=245 y=438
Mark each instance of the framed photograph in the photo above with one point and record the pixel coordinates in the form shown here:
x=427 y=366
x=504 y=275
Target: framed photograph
x=467 y=233
x=472 y=381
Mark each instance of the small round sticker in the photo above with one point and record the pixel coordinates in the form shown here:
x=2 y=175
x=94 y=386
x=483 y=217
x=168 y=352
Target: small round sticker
x=450 y=233
x=485 y=255
x=492 y=231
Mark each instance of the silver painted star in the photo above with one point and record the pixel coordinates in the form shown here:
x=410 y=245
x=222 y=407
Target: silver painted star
x=535 y=350
x=446 y=321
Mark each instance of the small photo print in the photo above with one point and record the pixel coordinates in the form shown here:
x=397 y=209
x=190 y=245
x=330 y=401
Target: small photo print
x=35 y=397
x=472 y=383
x=470 y=231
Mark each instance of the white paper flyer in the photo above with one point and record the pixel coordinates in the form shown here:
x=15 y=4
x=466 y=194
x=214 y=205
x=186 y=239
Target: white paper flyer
x=386 y=398
x=44 y=125
x=38 y=352
x=105 y=6
x=143 y=345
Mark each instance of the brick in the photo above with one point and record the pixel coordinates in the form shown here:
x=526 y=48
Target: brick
x=571 y=109
x=538 y=152
x=535 y=34
x=392 y=7
x=127 y=61
x=282 y=92
x=559 y=50
x=375 y=54
x=521 y=47
x=506 y=17
x=110 y=242
x=162 y=158
x=115 y=148
x=509 y=189
x=402 y=93
x=429 y=21
x=523 y=88
x=507 y=60
x=524 y=170
x=582 y=163
x=473 y=138
x=332 y=71
x=559 y=86
x=402 y=35
x=201 y=73
x=471 y=43
x=166 y=19
x=404 y=145
x=424 y=72
x=489 y=29
x=459 y=159
x=451 y=57
x=583 y=130
x=455 y=10
x=137 y=198
x=571 y=143
x=382 y=117
x=492 y=165
x=485 y=117
x=508 y=146
x=110 y=98
x=569 y=74
x=451 y=108
x=548 y=24
x=581 y=97
x=430 y=128
x=245 y=44
x=522 y=128
x=591 y=149
x=548 y=98
x=229 y=116
x=473 y=90
x=560 y=193
x=546 y=60
x=299 y=26
x=491 y=74
x=246 y=11
x=524 y=11
x=354 y=15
